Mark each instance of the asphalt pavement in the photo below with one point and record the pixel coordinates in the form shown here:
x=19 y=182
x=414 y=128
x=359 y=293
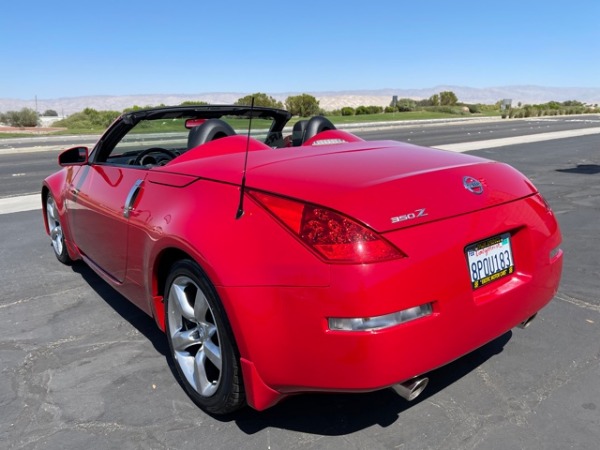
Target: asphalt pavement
x=83 y=368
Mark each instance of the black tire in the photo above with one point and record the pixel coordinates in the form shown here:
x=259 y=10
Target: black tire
x=201 y=342
x=55 y=230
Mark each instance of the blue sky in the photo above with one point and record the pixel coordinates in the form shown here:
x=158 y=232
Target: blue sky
x=55 y=48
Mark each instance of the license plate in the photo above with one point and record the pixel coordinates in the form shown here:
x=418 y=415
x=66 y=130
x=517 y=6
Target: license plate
x=490 y=260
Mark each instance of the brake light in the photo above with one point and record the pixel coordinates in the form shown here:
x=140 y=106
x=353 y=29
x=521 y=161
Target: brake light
x=333 y=236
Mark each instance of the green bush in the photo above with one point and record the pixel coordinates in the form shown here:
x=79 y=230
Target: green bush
x=260 y=99
x=448 y=98
x=348 y=111
x=26 y=117
x=364 y=110
x=553 y=105
x=89 y=118
x=194 y=103
x=406 y=104
x=304 y=105
x=139 y=108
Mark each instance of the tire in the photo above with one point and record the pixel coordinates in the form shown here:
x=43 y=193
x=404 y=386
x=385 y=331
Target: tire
x=201 y=342
x=55 y=230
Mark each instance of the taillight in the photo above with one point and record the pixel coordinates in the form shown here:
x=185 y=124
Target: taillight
x=333 y=236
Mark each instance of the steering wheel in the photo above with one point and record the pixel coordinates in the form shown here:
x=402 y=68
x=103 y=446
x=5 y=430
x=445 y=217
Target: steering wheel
x=274 y=139
x=138 y=159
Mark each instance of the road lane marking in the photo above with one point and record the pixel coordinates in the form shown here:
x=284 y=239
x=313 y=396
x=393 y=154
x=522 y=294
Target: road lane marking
x=527 y=139
x=20 y=203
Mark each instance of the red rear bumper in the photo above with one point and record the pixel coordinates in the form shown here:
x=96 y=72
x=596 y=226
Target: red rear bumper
x=287 y=347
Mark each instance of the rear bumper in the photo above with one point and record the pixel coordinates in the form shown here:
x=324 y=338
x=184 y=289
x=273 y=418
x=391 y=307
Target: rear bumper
x=287 y=347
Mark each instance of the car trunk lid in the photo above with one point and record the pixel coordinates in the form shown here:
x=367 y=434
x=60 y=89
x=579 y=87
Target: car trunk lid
x=387 y=185
x=394 y=186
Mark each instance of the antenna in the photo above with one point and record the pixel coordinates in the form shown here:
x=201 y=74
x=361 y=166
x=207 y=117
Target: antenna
x=240 y=211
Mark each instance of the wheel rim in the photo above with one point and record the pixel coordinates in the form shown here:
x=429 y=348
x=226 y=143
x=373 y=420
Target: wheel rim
x=194 y=336
x=54 y=228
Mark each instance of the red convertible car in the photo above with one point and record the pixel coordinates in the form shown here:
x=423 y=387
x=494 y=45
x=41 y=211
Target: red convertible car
x=281 y=260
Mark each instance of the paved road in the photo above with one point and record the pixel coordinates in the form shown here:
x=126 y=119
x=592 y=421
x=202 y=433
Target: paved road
x=82 y=368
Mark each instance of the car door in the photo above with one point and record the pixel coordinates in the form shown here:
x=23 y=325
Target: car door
x=102 y=196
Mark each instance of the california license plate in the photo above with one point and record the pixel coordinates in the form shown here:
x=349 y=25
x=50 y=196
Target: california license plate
x=490 y=260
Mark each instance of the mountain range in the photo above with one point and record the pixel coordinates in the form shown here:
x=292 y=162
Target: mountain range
x=328 y=100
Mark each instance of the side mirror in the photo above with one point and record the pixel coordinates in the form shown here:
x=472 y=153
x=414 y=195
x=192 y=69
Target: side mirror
x=76 y=156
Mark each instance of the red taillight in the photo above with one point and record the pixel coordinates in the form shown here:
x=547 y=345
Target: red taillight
x=335 y=237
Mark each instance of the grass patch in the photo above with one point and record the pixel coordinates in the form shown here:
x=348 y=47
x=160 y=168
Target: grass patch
x=390 y=117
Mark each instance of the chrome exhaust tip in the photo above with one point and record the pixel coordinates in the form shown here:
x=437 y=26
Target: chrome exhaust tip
x=411 y=389
x=526 y=323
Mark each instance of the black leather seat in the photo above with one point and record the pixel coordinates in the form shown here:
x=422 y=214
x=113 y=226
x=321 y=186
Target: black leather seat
x=209 y=131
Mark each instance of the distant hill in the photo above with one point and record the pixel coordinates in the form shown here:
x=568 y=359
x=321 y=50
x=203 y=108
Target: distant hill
x=328 y=100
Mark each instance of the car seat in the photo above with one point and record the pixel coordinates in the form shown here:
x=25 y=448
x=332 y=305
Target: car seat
x=209 y=131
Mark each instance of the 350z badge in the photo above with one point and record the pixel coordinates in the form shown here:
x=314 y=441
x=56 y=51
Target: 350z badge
x=410 y=216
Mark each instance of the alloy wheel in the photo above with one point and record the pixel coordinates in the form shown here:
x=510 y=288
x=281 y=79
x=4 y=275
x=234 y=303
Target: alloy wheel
x=194 y=336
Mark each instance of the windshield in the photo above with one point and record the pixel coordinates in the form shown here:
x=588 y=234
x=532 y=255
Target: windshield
x=168 y=133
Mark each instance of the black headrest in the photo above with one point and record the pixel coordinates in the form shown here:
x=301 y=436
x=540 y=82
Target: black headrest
x=209 y=131
x=316 y=125
x=298 y=132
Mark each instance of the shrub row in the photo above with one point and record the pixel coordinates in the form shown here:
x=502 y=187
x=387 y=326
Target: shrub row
x=533 y=111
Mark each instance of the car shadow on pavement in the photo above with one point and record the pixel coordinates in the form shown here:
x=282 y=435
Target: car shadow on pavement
x=582 y=169
x=135 y=316
x=340 y=414
x=131 y=313
x=323 y=414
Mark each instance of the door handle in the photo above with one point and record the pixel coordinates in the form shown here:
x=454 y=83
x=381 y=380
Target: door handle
x=133 y=193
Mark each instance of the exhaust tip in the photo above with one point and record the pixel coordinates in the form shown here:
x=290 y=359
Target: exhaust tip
x=526 y=323
x=411 y=389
